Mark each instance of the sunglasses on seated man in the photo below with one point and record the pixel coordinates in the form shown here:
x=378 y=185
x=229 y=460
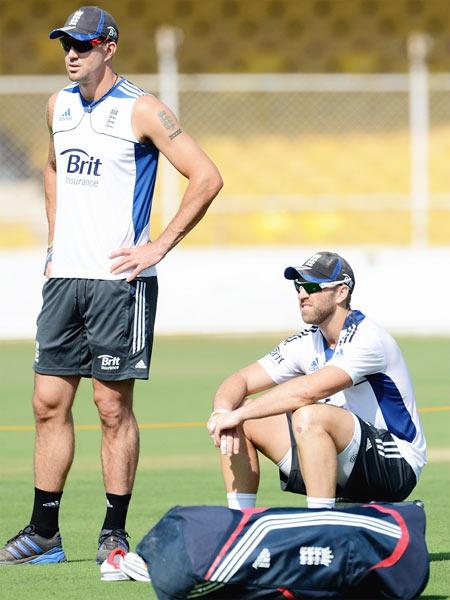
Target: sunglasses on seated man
x=80 y=45
x=312 y=287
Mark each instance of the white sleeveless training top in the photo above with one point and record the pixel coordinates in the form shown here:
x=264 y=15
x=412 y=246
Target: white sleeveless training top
x=105 y=182
x=382 y=392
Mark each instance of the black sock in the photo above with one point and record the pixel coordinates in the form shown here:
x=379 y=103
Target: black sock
x=46 y=512
x=116 y=511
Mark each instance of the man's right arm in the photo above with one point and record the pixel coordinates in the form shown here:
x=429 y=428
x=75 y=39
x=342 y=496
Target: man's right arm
x=231 y=394
x=50 y=185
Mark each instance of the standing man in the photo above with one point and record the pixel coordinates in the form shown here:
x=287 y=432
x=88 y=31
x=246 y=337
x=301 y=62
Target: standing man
x=100 y=298
x=340 y=417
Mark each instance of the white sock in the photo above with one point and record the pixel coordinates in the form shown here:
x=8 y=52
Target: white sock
x=320 y=502
x=240 y=500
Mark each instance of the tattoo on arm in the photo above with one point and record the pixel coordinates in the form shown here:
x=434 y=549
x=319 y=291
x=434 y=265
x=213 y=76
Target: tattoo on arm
x=166 y=120
x=174 y=134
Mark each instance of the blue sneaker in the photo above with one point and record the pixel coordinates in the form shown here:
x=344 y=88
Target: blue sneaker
x=109 y=540
x=28 y=547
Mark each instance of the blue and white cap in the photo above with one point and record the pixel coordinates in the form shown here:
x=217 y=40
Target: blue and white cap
x=323 y=267
x=88 y=23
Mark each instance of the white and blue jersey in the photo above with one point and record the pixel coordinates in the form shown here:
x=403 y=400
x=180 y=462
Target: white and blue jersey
x=382 y=392
x=105 y=181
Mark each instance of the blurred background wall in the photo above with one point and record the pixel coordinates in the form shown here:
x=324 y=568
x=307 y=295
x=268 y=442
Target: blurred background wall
x=250 y=36
x=307 y=107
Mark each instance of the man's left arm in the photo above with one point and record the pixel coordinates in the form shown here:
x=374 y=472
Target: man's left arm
x=288 y=396
x=154 y=122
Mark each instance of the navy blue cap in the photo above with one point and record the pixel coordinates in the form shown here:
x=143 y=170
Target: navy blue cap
x=323 y=267
x=88 y=23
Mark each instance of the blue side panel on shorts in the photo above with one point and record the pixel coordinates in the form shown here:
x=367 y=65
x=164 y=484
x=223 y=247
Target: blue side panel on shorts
x=146 y=156
x=398 y=419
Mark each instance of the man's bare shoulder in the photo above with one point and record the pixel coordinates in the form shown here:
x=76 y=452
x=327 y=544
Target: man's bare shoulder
x=147 y=102
x=50 y=108
x=153 y=120
x=150 y=107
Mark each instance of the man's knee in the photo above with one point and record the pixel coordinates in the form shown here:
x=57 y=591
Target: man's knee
x=324 y=419
x=250 y=428
x=53 y=397
x=306 y=418
x=113 y=409
x=269 y=435
x=255 y=431
x=246 y=429
x=46 y=407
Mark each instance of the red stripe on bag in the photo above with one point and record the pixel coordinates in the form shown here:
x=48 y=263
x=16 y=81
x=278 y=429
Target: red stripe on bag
x=248 y=512
x=286 y=594
x=402 y=543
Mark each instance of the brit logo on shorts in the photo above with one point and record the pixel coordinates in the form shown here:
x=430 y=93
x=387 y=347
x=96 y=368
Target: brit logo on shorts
x=108 y=362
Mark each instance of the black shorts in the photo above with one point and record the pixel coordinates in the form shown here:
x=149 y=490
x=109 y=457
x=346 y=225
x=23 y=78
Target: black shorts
x=374 y=476
x=96 y=328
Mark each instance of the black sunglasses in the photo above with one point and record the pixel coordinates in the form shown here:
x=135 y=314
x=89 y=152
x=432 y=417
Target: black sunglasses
x=311 y=287
x=79 y=45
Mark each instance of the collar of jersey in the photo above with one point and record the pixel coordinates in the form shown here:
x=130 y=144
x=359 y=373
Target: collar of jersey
x=326 y=348
x=88 y=106
x=353 y=318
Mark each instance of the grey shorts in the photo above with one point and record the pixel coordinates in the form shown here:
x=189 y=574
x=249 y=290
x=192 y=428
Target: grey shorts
x=374 y=476
x=96 y=328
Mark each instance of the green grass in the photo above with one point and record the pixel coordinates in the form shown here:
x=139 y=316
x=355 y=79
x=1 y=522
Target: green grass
x=179 y=465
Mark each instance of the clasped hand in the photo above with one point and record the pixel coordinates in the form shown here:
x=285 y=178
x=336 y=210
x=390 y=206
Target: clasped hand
x=223 y=429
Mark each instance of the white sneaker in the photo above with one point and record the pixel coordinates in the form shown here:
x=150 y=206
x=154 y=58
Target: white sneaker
x=110 y=569
x=134 y=567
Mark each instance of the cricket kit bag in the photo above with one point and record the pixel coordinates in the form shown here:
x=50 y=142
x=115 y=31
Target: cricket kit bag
x=363 y=551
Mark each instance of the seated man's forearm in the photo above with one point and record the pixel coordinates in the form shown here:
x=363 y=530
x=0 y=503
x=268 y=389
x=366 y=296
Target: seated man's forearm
x=231 y=392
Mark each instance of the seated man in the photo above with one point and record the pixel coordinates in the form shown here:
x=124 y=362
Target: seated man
x=340 y=417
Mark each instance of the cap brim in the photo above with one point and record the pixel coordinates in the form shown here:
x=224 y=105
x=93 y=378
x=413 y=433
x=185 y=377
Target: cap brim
x=296 y=273
x=73 y=33
x=291 y=273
